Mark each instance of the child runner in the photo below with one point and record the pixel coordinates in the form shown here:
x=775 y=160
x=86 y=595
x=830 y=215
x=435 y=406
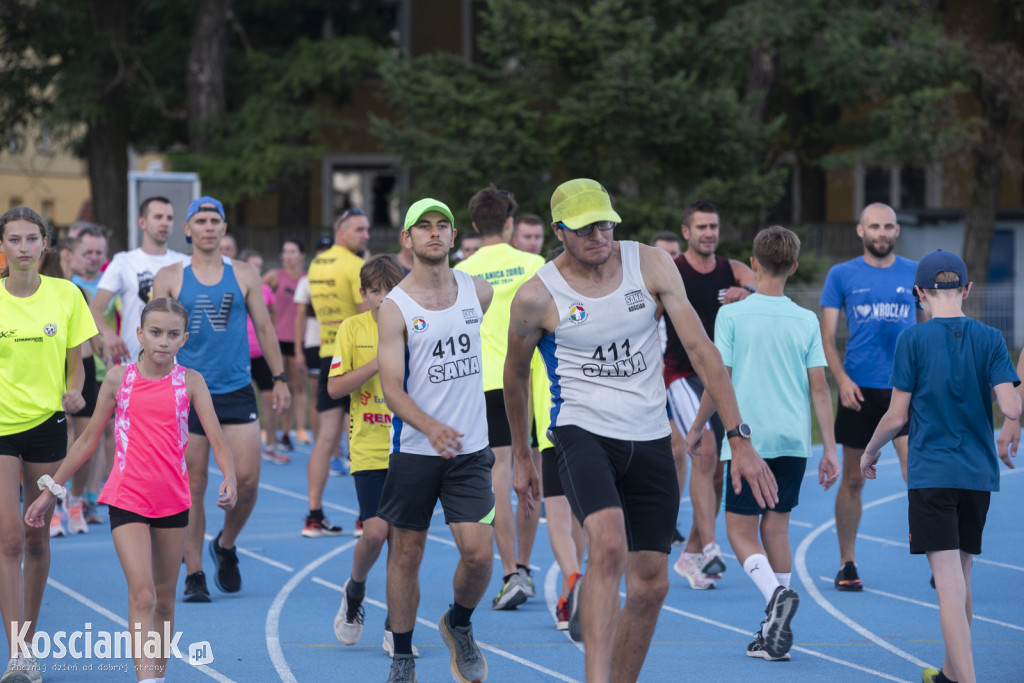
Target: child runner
x=45 y=320
x=147 y=493
x=773 y=349
x=354 y=371
x=951 y=465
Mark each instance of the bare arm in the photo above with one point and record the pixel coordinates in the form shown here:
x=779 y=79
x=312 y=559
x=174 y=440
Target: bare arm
x=199 y=397
x=744 y=276
x=484 y=292
x=889 y=426
x=167 y=282
x=349 y=382
x=1009 y=434
x=300 y=336
x=72 y=400
x=270 y=279
x=252 y=286
x=850 y=395
x=391 y=362
x=821 y=399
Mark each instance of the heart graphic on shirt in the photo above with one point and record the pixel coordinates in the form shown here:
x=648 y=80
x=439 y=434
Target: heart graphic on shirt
x=864 y=310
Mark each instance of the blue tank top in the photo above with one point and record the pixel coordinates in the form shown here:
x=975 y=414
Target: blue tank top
x=218 y=343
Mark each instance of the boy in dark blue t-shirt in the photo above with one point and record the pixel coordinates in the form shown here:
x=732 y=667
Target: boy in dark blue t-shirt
x=944 y=373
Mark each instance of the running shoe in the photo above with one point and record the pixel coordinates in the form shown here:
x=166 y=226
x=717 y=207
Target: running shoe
x=195 y=588
x=758 y=649
x=285 y=442
x=678 y=538
x=358 y=531
x=92 y=513
x=778 y=637
x=929 y=675
x=225 y=564
x=76 y=519
x=467 y=662
x=711 y=561
x=22 y=670
x=575 y=586
x=337 y=467
x=318 y=528
x=389 y=642
x=57 y=526
x=270 y=454
x=303 y=437
x=524 y=574
x=403 y=670
x=847 y=579
x=512 y=594
x=562 y=614
x=348 y=622
x=686 y=567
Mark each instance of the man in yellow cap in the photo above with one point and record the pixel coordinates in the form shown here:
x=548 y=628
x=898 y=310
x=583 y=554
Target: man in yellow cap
x=591 y=312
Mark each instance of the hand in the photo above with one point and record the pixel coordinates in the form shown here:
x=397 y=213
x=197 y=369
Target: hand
x=526 y=482
x=282 y=398
x=850 y=394
x=35 y=515
x=72 y=401
x=867 y=464
x=734 y=294
x=300 y=359
x=116 y=348
x=748 y=466
x=695 y=442
x=444 y=439
x=227 y=495
x=1009 y=439
x=828 y=468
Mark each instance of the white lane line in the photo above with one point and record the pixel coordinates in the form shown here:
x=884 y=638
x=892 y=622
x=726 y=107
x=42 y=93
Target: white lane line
x=273 y=621
x=800 y=560
x=256 y=556
x=483 y=646
x=120 y=621
x=551 y=594
x=806 y=525
x=807 y=651
x=928 y=604
x=900 y=544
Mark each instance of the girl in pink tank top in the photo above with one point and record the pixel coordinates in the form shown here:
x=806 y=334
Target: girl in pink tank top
x=147 y=492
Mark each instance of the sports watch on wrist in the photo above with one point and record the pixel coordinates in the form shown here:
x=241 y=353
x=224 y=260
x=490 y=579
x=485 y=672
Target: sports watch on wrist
x=741 y=430
x=283 y=377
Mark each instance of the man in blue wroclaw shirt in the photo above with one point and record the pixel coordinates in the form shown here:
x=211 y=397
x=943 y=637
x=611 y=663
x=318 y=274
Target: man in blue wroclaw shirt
x=876 y=292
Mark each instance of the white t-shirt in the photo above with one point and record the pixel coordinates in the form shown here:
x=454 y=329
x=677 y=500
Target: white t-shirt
x=311 y=338
x=130 y=276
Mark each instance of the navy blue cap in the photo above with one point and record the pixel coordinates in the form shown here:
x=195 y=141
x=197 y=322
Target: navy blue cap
x=936 y=262
x=196 y=206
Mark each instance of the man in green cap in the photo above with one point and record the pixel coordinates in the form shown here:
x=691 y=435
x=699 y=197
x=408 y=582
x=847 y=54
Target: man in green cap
x=429 y=358
x=592 y=314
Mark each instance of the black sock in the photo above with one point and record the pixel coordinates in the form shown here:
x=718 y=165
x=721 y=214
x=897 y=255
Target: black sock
x=524 y=568
x=403 y=643
x=941 y=678
x=508 y=576
x=356 y=590
x=459 y=615
x=317 y=514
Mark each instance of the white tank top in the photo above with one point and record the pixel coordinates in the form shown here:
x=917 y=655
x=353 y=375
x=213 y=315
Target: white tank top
x=442 y=369
x=604 y=358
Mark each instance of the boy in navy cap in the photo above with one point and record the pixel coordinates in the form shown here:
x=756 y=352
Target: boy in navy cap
x=943 y=374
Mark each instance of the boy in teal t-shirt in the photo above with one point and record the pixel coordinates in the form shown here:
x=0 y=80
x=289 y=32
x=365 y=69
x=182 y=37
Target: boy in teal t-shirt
x=943 y=376
x=773 y=350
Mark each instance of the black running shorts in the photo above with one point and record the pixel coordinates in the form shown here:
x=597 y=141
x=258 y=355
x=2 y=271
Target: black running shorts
x=233 y=408
x=549 y=473
x=946 y=519
x=369 y=485
x=854 y=428
x=499 y=434
x=119 y=517
x=789 y=474
x=324 y=402
x=90 y=390
x=46 y=442
x=416 y=482
x=599 y=472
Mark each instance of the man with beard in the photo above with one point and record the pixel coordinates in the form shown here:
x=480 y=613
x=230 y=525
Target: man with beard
x=876 y=291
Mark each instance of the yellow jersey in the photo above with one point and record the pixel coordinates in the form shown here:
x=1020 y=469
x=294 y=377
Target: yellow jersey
x=540 y=399
x=35 y=334
x=355 y=345
x=334 y=292
x=505 y=268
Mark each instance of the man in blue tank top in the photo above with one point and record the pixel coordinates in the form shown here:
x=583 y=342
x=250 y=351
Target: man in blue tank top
x=592 y=313
x=218 y=293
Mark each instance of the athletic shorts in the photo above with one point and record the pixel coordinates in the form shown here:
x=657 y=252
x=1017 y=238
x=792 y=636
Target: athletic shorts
x=599 y=472
x=324 y=402
x=369 y=484
x=261 y=374
x=854 y=428
x=946 y=519
x=233 y=408
x=683 y=400
x=46 y=442
x=90 y=390
x=119 y=517
x=499 y=433
x=789 y=474
x=287 y=348
x=312 y=356
x=550 y=478
x=416 y=482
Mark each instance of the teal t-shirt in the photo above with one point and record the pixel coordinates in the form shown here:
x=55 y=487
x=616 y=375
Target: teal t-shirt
x=770 y=343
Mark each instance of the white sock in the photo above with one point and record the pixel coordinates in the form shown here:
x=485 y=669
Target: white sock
x=74 y=500
x=148 y=680
x=783 y=579
x=693 y=556
x=760 y=572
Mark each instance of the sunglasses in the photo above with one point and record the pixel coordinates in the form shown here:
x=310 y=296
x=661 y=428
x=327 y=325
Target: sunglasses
x=348 y=213
x=585 y=231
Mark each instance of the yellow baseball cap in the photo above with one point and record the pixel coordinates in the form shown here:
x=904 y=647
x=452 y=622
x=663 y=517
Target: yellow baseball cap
x=580 y=202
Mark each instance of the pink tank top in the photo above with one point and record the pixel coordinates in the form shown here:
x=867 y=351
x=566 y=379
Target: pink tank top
x=149 y=476
x=284 y=301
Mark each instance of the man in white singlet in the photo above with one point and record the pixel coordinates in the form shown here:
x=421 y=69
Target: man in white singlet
x=429 y=358
x=591 y=312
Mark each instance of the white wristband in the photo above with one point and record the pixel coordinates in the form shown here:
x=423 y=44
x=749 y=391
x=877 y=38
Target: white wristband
x=46 y=482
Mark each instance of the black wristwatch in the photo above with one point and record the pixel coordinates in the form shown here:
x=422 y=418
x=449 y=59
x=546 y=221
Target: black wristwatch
x=750 y=288
x=741 y=430
x=283 y=377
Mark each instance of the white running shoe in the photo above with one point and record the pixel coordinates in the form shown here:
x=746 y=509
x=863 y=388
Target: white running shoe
x=686 y=567
x=57 y=526
x=76 y=519
x=711 y=559
x=348 y=622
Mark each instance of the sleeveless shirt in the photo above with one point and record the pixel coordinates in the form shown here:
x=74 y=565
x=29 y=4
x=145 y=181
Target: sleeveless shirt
x=604 y=357
x=705 y=292
x=443 y=365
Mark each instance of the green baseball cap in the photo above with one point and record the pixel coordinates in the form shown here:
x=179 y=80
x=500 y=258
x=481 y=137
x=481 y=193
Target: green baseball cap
x=580 y=202
x=427 y=205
